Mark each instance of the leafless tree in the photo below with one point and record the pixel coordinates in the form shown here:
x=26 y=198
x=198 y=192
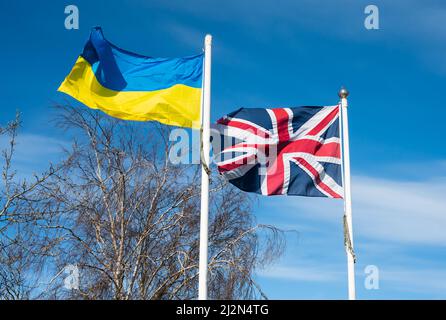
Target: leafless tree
x=19 y=264
x=128 y=218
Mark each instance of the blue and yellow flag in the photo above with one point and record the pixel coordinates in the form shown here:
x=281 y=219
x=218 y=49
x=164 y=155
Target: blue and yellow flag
x=130 y=86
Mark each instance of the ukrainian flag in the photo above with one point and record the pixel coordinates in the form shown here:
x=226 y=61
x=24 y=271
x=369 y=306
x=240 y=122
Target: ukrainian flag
x=130 y=86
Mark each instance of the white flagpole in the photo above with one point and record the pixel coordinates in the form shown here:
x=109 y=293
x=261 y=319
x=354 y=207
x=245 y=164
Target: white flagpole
x=204 y=214
x=343 y=93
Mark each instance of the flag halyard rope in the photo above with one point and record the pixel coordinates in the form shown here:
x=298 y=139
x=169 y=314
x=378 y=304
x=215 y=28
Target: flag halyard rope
x=203 y=161
x=347 y=240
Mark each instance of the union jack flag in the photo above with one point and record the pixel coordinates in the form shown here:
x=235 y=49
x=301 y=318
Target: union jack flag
x=294 y=151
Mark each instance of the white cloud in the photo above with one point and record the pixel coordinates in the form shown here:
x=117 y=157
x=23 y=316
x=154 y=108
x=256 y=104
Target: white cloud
x=34 y=152
x=311 y=273
x=432 y=281
x=32 y=146
x=188 y=35
x=384 y=209
x=412 y=212
x=193 y=38
x=398 y=226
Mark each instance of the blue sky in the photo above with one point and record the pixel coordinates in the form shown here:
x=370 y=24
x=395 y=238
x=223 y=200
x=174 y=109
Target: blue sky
x=284 y=53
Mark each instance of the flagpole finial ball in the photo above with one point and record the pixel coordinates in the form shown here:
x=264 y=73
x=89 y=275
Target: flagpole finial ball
x=343 y=93
x=208 y=39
